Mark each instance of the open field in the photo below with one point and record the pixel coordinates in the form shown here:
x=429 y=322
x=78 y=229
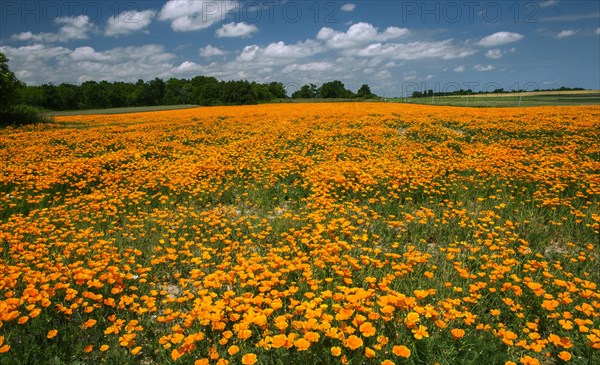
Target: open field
x=324 y=100
x=139 y=109
x=348 y=233
x=542 y=93
x=541 y=98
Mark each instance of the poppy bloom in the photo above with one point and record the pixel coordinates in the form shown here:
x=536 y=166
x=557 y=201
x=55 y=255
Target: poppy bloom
x=457 y=333
x=401 y=351
x=249 y=359
x=353 y=342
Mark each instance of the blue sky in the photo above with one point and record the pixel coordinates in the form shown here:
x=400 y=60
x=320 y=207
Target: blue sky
x=394 y=46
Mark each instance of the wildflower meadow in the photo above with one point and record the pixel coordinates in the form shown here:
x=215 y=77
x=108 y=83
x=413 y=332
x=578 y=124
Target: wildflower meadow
x=346 y=233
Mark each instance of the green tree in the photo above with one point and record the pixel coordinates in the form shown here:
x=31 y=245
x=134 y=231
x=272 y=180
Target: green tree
x=177 y=91
x=277 y=89
x=334 y=89
x=365 y=92
x=9 y=85
x=262 y=92
x=314 y=90
x=32 y=95
x=238 y=93
x=306 y=92
x=156 y=91
x=90 y=94
x=142 y=96
x=69 y=96
x=205 y=90
x=50 y=94
x=302 y=93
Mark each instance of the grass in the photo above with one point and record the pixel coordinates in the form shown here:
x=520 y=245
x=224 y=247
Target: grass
x=510 y=100
x=127 y=110
x=318 y=235
x=142 y=109
x=323 y=100
x=23 y=115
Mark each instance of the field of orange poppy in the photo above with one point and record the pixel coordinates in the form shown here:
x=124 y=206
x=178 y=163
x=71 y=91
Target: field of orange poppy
x=352 y=233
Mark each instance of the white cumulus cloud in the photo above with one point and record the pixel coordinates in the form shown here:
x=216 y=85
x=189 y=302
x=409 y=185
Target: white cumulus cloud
x=566 y=33
x=494 y=53
x=309 y=67
x=188 y=67
x=60 y=64
x=547 y=3
x=129 y=22
x=348 y=7
x=21 y=57
x=500 y=38
x=459 y=69
x=241 y=30
x=483 y=68
x=357 y=35
x=279 y=51
x=416 y=50
x=72 y=28
x=410 y=76
x=211 y=51
x=497 y=53
x=190 y=15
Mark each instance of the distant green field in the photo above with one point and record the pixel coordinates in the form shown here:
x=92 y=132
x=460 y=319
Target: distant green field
x=122 y=110
x=142 y=109
x=507 y=101
x=480 y=100
x=323 y=100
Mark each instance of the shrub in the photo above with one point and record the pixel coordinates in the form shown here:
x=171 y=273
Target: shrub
x=22 y=115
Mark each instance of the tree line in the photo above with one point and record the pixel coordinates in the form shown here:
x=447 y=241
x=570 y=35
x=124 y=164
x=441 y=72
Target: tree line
x=333 y=89
x=200 y=90
x=431 y=93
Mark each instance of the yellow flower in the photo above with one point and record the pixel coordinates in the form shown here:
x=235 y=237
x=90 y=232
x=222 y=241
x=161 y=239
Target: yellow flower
x=249 y=359
x=244 y=334
x=279 y=341
x=528 y=360
x=420 y=332
x=312 y=336
x=353 y=342
x=401 y=351
x=457 y=333
x=336 y=351
x=302 y=344
x=412 y=319
x=564 y=355
x=89 y=323
x=367 y=329
x=369 y=353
